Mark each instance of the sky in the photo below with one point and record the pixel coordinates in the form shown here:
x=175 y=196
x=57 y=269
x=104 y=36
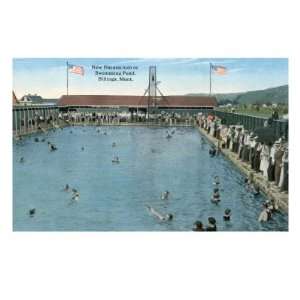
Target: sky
x=47 y=76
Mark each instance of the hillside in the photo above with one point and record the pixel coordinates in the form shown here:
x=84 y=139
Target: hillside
x=271 y=95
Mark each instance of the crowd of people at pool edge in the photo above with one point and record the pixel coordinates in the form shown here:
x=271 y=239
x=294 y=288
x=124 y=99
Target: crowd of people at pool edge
x=38 y=121
x=269 y=159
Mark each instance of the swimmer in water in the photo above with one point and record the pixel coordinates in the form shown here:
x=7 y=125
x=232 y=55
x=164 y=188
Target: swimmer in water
x=212 y=224
x=165 y=195
x=269 y=208
x=216 y=180
x=198 y=226
x=66 y=188
x=31 y=212
x=167 y=217
x=75 y=197
x=82 y=148
x=114 y=144
x=52 y=147
x=116 y=160
x=22 y=159
x=36 y=140
x=227 y=214
x=212 y=151
x=216 y=196
x=266 y=214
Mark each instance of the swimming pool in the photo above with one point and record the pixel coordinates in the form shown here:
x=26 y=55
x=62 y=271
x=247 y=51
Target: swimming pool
x=113 y=196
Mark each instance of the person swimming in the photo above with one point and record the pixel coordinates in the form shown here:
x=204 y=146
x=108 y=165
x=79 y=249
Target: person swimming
x=165 y=195
x=82 y=148
x=116 y=160
x=75 y=197
x=155 y=213
x=252 y=188
x=22 y=160
x=53 y=147
x=212 y=151
x=216 y=196
x=32 y=212
x=216 y=180
x=266 y=213
x=36 y=140
x=227 y=214
x=198 y=226
x=114 y=144
x=212 y=224
x=66 y=188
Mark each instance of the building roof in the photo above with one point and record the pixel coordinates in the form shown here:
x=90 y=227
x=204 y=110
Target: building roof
x=134 y=101
x=14 y=98
x=33 y=98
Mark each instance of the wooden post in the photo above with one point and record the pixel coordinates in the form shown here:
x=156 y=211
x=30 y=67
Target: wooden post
x=67 y=79
x=210 y=66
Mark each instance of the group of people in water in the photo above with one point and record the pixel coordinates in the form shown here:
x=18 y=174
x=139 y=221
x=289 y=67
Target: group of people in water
x=215 y=199
x=198 y=225
x=162 y=217
x=269 y=207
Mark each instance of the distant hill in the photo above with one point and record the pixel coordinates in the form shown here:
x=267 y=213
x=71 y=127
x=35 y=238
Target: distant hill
x=278 y=94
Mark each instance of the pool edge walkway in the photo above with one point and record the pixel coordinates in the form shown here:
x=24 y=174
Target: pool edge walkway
x=268 y=188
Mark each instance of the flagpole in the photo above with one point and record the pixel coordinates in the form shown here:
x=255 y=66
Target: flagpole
x=210 y=79
x=67 y=78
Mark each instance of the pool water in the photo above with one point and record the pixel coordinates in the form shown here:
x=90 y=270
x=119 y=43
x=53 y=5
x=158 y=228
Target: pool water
x=113 y=196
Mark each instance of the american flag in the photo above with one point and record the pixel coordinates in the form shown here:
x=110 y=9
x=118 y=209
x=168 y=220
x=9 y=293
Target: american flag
x=76 y=69
x=220 y=70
